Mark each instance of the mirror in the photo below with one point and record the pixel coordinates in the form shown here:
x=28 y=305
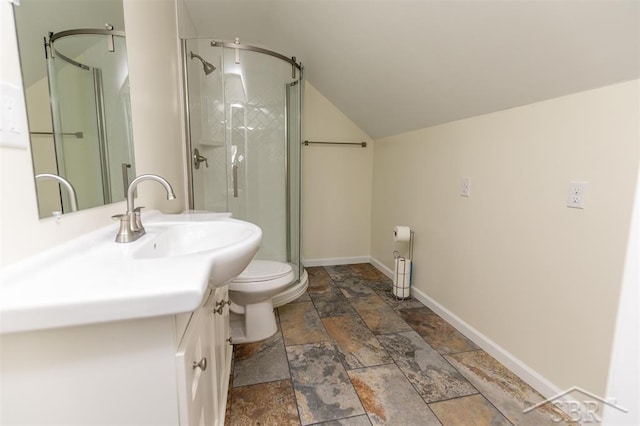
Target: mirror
x=74 y=67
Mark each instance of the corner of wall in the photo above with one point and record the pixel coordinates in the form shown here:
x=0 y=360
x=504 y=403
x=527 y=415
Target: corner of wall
x=336 y=183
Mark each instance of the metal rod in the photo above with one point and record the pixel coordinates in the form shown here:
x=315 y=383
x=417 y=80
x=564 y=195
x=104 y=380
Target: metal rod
x=103 y=137
x=51 y=51
x=78 y=135
x=234 y=173
x=235 y=45
x=362 y=144
x=187 y=127
x=125 y=178
x=287 y=170
x=412 y=233
x=85 y=31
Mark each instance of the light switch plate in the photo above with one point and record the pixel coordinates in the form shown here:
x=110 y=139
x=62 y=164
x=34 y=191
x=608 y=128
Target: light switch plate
x=13 y=117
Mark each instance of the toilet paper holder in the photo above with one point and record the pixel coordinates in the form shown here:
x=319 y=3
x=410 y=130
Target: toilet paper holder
x=400 y=235
x=403 y=267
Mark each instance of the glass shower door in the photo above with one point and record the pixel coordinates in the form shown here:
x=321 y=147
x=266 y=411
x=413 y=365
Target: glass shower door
x=75 y=130
x=256 y=145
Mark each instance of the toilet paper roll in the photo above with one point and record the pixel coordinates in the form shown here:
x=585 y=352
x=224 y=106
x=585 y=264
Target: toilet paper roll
x=401 y=233
x=402 y=278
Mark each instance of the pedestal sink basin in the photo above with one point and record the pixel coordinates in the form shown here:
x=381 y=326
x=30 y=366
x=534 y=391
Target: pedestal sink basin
x=229 y=244
x=94 y=279
x=187 y=239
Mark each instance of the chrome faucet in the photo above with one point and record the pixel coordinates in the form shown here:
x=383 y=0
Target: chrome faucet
x=131 y=223
x=73 y=199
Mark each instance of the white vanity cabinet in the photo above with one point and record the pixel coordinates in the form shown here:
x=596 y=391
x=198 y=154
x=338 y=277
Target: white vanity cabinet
x=148 y=371
x=223 y=349
x=203 y=362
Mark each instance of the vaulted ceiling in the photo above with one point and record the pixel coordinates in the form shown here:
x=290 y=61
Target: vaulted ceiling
x=394 y=66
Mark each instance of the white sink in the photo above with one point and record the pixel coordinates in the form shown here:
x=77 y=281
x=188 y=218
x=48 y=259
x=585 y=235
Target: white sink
x=230 y=243
x=94 y=279
x=191 y=238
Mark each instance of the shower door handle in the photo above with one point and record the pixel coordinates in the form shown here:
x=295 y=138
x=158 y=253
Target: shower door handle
x=234 y=172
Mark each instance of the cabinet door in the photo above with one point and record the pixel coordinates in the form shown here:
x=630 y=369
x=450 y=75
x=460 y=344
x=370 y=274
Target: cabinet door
x=196 y=373
x=222 y=348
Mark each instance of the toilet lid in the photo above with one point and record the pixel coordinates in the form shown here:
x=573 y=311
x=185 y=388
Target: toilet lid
x=263 y=270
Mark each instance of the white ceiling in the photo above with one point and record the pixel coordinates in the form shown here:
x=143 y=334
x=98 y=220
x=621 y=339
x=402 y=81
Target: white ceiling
x=397 y=66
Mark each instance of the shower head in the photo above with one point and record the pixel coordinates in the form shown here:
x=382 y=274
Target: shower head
x=208 y=68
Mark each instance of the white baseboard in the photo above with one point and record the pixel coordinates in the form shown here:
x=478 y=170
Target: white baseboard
x=522 y=370
x=379 y=266
x=335 y=261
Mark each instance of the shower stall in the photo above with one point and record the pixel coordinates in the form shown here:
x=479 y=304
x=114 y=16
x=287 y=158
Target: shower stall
x=244 y=137
x=91 y=119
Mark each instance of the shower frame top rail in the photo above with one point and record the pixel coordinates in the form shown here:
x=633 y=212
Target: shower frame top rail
x=234 y=45
x=85 y=31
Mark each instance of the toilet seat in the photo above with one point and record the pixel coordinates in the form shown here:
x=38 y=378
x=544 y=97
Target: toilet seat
x=263 y=270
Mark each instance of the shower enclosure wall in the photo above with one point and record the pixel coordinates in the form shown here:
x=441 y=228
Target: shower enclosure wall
x=244 y=121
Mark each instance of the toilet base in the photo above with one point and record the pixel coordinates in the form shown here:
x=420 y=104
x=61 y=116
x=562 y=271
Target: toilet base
x=292 y=292
x=259 y=319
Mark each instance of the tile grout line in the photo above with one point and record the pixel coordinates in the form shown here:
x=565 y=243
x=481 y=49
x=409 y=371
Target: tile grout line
x=444 y=358
x=286 y=356
x=458 y=371
x=393 y=360
x=396 y=364
x=465 y=377
x=366 y=413
x=441 y=356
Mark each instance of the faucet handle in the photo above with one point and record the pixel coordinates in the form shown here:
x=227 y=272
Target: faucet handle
x=138 y=219
x=117 y=216
x=125 y=234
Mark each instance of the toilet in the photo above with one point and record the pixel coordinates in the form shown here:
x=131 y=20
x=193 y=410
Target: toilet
x=252 y=317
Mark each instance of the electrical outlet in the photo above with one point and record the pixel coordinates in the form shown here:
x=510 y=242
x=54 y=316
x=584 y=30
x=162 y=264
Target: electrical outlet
x=465 y=187
x=576 y=196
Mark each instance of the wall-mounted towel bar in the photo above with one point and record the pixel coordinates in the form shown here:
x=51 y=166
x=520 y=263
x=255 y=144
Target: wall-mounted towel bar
x=78 y=135
x=362 y=144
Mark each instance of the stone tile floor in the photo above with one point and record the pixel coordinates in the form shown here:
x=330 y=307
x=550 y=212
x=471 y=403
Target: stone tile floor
x=348 y=353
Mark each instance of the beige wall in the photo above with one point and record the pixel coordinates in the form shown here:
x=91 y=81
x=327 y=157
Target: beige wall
x=336 y=185
x=539 y=279
x=156 y=106
x=153 y=56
